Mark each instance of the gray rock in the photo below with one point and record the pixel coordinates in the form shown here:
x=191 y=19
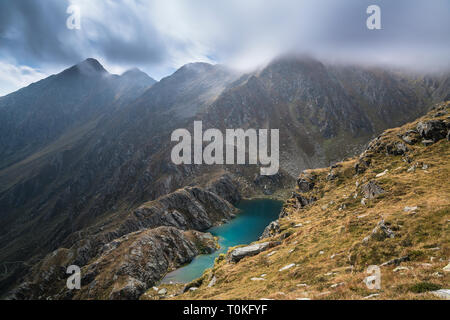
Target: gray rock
x=300 y=202
x=332 y=175
x=286 y=267
x=409 y=139
x=271 y=230
x=371 y=296
x=395 y=261
x=248 y=251
x=380 y=232
x=397 y=269
x=362 y=165
x=397 y=148
x=371 y=190
x=257 y=279
x=212 y=282
x=442 y=293
x=408 y=209
x=162 y=292
x=225 y=188
x=305 y=182
x=427 y=143
x=129 y=291
x=433 y=130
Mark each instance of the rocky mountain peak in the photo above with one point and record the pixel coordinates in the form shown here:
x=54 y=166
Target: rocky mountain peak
x=137 y=74
x=88 y=67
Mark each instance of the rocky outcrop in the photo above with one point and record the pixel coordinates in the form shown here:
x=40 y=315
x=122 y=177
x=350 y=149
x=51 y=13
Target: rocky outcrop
x=237 y=254
x=302 y=201
x=371 y=190
x=305 y=182
x=271 y=230
x=187 y=208
x=380 y=232
x=432 y=129
x=190 y=208
x=396 y=148
x=125 y=268
x=138 y=260
x=269 y=184
x=225 y=188
x=410 y=137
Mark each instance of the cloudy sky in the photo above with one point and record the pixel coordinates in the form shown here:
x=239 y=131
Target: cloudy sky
x=159 y=36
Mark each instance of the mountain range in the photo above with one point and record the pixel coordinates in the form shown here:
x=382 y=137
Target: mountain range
x=85 y=155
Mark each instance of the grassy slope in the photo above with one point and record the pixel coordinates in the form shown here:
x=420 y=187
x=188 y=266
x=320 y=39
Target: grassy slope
x=330 y=258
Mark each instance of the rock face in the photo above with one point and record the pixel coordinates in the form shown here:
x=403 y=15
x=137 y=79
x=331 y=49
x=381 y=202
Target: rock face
x=433 y=129
x=237 y=254
x=225 y=188
x=371 y=190
x=125 y=268
x=305 y=182
x=154 y=247
x=140 y=259
x=411 y=137
x=302 y=201
x=271 y=230
x=187 y=208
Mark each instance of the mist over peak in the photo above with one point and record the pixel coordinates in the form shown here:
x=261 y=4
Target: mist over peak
x=159 y=38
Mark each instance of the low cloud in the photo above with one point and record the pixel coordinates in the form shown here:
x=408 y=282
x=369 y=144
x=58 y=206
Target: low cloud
x=160 y=36
x=15 y=77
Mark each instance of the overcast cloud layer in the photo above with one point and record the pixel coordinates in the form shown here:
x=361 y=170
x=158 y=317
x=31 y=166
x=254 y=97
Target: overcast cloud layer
x=160 y=36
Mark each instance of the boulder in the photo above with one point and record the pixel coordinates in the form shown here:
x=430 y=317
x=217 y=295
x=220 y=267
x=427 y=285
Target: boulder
x=432 y=130
x=239 y=253
x=442 y=293
x=287 y=267
x=212 y=282
x=380 y=232
x=396 y=148
x=447 y=268
x=371 y=190
x=162 y=292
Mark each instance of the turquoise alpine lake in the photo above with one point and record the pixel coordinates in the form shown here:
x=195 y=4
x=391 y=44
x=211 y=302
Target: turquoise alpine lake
x=247 y=227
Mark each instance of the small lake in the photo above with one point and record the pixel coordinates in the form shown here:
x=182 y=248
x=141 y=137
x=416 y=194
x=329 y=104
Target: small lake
x=247 y=227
